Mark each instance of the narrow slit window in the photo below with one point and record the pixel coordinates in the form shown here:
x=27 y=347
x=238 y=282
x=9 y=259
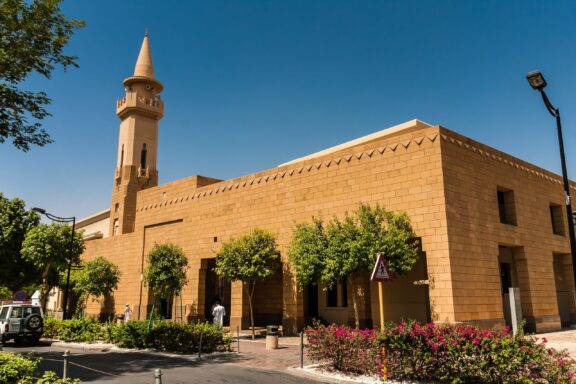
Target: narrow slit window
x=143 y=154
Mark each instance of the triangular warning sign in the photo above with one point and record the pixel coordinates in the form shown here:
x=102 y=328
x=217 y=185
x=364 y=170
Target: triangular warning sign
x=380 y=272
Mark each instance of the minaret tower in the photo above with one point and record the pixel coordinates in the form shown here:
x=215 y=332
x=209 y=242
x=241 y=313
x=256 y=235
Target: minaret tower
x=139 y=112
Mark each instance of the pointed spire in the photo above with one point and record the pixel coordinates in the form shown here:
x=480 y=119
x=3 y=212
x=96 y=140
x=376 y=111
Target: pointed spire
x=144 y=66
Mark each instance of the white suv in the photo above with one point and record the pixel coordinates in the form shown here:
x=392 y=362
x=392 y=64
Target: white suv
x=21 y=321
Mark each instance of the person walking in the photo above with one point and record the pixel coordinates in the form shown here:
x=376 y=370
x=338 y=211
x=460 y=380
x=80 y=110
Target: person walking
x=218 y=312
x=127 y=313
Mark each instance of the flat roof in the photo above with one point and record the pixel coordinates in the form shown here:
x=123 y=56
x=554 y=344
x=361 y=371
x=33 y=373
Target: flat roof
x=361 y=140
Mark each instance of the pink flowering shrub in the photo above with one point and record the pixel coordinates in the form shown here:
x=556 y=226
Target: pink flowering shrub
x=459 y=353
x=344 y=349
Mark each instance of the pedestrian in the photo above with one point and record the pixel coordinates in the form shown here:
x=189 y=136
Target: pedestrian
x=127 y=313
x=218 y=311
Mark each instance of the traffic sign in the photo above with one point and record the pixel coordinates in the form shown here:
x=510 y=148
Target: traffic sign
x=19 y=296
x=380 y=272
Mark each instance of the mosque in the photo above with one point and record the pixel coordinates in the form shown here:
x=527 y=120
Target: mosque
x=486 y=221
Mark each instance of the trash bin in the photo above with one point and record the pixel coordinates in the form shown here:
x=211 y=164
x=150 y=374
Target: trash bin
x=119 y=318
x=271 y=337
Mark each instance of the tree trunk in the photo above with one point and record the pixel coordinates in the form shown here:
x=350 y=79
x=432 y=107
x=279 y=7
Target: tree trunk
x=355 y=301
x=45 y=289
x=250 y=293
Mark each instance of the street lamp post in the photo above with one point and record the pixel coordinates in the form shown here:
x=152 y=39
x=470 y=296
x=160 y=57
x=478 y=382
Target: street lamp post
x=70 y=251
x=537 y=82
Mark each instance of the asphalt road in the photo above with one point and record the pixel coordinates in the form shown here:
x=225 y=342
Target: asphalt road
x=138 y=367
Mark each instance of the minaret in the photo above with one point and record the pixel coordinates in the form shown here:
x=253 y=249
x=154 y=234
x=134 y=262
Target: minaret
x=139 y=112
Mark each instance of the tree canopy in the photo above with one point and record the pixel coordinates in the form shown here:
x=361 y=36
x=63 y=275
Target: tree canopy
x=15 y=221
x=33 y=35
x=47 y=249
x=344 y=249
x=166 y=270
x=249 y=258
x=97 y=278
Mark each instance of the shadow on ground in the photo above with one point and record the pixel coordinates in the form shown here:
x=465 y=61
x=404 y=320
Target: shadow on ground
x=93 y=366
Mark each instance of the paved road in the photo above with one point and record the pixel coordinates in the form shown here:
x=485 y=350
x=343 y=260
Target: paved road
x=138 y=367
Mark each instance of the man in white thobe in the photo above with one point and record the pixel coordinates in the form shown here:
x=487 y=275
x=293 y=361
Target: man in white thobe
x=218 y=312
x=127 y=313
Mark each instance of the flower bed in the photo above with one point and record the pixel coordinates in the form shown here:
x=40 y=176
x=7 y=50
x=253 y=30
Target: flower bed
x=458 y=353
x=447 y=353
x=344 y=349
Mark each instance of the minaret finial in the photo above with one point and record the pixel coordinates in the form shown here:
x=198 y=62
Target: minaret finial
x=146 y=32
x=144 y=66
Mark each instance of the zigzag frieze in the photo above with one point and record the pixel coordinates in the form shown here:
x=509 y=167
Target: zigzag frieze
x=509 y=162
x=279 y=175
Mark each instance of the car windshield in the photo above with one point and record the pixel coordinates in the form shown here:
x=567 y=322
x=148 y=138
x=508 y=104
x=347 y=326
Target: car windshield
x=4 y=313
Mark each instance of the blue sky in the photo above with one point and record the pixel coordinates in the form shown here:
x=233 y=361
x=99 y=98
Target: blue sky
x=252 y=84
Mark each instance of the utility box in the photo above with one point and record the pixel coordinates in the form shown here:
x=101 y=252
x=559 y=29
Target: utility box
x=272 y=337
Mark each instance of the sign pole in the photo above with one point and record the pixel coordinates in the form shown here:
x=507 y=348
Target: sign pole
x=383 y=349
x=381 y=300
x=381 y=274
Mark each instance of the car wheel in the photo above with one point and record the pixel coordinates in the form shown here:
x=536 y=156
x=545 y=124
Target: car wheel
x=33 y=322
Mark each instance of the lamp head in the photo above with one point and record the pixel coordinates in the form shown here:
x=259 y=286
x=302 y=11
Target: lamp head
x=39 y=210
x=536 y=80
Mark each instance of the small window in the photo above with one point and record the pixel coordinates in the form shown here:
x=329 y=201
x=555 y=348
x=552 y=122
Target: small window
x=506 y=206
x=116 y=207
x=116 y=228
x=4 y=313
x=332 y=296
x=215 y=239
x=557 y=219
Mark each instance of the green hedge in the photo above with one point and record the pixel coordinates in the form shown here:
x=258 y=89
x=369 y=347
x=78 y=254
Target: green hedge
x=17 y=369
x=161 y=335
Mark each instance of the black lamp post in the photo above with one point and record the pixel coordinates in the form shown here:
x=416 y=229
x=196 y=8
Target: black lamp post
x=537 y=82
x=70 y=251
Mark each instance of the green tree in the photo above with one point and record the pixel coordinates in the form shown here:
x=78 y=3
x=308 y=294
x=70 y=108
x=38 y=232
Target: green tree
x=47 y=248
x=166 y=270
x=33 y=35
x=346 y=249
x=250 y=258
x=15 y=221
x=99 y=277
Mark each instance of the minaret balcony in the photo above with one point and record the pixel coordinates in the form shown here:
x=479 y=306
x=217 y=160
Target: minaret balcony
x=152 y=106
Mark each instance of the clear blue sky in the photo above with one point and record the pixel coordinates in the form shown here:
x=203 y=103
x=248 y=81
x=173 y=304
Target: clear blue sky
x=251 y=84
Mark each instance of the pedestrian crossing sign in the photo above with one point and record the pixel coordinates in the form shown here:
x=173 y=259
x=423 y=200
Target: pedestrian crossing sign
x=380 y=272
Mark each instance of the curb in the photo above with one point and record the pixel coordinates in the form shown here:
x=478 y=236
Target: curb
x=320 y=376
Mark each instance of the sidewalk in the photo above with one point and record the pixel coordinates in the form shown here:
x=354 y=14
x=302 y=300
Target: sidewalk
x=561 y=340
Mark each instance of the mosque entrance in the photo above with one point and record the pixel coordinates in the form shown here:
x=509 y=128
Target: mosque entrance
x=217 y=289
